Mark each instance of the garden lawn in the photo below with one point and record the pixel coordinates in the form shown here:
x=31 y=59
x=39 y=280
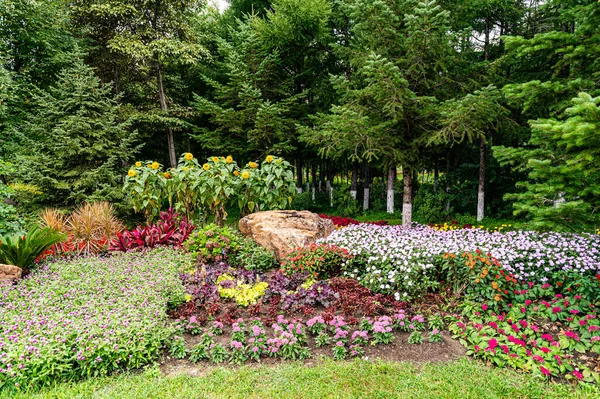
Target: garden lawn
x=327 y=379
x=87 y=317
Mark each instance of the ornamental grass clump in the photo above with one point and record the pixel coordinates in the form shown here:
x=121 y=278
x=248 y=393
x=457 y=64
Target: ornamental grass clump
x=87 y=317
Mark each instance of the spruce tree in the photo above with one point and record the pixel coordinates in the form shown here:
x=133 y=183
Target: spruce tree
x=78 y=144
x=563 y=162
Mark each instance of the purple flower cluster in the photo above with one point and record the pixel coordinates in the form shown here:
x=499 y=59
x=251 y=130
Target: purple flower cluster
x=87 y=316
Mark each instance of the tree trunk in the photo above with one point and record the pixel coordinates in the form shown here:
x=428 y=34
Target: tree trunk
x=407 y=198
x=486 y=44
x=299 y=173
x=391 y=180
x=436 y=174
x=448 y=184
x=314 y=180
x=481 y=186
x=354 y=184
x=367 y=188
x=163 y=106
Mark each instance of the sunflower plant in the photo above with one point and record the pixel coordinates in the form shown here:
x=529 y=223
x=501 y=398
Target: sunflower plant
x=269 y=185
x=193 y=186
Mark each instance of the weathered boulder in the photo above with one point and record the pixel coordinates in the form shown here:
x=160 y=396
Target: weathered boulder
x=282 y=231
x=9 y=272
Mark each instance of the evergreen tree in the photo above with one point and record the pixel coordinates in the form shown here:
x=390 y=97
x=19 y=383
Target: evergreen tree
x=387 y=103
x=563 y=161
x=141 y=38
x=78 y=145
x=475 y=118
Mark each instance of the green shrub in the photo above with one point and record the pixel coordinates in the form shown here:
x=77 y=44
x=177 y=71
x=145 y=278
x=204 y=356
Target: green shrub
x=213 y=243
x=22 y=251
x=430 y=207
x=252 y=256
x=322 y=260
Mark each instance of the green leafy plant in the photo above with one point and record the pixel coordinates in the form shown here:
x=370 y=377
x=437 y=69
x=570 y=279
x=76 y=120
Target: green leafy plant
x=415 y=338
x=178 y=349
x=252 y=256
x=213 y=243
x=322 y=260
x=22 y=251
x=218 y=353
x=268 y=186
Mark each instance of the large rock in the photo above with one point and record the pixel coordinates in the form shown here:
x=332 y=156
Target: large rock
x=9 y=272
x=282 y=231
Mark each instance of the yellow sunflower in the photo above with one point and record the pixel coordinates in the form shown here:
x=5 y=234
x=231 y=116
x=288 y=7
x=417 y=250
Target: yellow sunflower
x=269 y=158
x=155 y=165
x=229 y=159
x=245 y=175
x=236 y=173
x=215 y=159
x=253 y=165
x=138 y=164
x=188 y=156
x=167 y=175
x=131 y=173
x=206 y=166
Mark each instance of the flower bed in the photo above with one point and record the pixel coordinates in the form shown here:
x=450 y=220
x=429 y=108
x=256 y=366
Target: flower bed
x=87 y=316
x=550 y=335
x=397 y=260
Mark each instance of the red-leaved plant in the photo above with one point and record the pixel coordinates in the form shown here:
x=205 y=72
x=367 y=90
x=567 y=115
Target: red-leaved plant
x=170 y=230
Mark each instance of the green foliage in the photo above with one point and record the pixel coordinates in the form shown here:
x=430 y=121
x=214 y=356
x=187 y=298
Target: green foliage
x=562 y=162
x=178 y=349
x=213 y=243
x=77 y=141
x=192 y=187
x=430 y=206
x=252 y=256
x=322 y=260
x=22 y=251
x=10 y=223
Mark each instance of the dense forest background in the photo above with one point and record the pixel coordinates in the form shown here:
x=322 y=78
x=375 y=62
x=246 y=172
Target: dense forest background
x=430 y=109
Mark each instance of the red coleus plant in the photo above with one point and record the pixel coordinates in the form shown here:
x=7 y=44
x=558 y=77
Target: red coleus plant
x=170 y=230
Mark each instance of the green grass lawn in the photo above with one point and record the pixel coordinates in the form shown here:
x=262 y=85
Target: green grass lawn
x=461 y=379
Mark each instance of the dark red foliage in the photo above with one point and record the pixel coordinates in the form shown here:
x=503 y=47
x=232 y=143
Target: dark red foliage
x=186 y=310
x=170 y=230
x=344 y=221
x=356 y=300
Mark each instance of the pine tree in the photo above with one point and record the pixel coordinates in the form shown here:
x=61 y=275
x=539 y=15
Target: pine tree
x=563 y=161
x=475 y=118
x=387 y=103
x=77 y=142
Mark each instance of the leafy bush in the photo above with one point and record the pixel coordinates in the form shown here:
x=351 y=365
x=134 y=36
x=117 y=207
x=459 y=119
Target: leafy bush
x=321 y=260
x=430 y=206
x=88 y=316
x=479 y=275
x=22 y=251
x=170 y=230
x=252 y=256
x=213 y=243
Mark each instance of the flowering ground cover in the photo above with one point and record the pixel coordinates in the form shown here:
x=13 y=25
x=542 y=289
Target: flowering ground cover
x=87 y=316
x=400 y=261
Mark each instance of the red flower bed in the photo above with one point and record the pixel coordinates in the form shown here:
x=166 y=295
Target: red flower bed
x=340 y=221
